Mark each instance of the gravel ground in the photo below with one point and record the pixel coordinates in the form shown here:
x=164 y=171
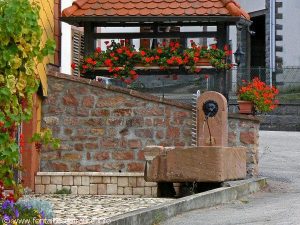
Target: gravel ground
x=96 y=207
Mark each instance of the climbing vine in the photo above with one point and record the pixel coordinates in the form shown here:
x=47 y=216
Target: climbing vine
x=20 y=51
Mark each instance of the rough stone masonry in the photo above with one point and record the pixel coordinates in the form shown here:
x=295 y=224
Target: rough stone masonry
x=106 y=128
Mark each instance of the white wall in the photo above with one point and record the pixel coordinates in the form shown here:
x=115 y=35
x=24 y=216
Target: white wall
x=291 y=33
x=252 y=5
x=66 y=42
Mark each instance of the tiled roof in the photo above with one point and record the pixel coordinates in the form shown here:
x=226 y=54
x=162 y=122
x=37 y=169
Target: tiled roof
x=84 y=8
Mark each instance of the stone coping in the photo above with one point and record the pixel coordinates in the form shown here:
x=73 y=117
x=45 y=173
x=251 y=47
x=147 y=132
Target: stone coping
x=92 y=174
x=134 y=93
x=255 y=119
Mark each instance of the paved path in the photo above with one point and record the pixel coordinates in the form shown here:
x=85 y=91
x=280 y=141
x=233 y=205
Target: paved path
x=279 y=204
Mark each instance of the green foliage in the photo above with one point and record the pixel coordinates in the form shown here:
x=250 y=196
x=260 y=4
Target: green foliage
x=45 y=138
x=63 y=191
x=20 y=50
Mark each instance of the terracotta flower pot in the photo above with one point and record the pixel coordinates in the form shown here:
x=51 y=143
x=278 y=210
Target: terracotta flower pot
x=246 y=107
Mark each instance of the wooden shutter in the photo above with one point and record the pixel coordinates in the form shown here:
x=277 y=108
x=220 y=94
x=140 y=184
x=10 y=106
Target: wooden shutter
x=145 y=43
x=77 y=49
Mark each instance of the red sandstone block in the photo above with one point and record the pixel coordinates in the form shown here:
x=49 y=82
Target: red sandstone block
x=141 y=155
x=91 y=145
x=88 y=101
x=173 y=132
x=110 y=101
x=109 y=143
x=71 y=156
x=101 y=156
x=50 y=155
x=92 y=168
x=78 y=147
x=68 y=131
x=248 y=137
x=88 y=156
x=58 y=166
x=232 y=138
x=135 y=122
x=179 y=143
x=122 y=112
x=135 y=167
x=116 y=166
x=100 y=112
x=134 y=144
x=148 y=122
x=114 y=122
x=155 y=111
x=160 y=134
x=123 y=155
x=70 y=100
x=161 y=122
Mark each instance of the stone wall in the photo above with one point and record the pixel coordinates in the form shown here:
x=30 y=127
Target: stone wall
x=95 y=183
x=105 y=128
x=244 y=131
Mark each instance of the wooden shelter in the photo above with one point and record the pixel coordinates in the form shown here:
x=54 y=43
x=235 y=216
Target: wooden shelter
x=91 y=14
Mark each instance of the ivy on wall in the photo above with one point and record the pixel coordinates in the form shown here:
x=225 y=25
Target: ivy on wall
x=20 y=51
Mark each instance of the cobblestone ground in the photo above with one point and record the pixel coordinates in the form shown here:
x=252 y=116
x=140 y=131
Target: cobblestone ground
x=96 y=206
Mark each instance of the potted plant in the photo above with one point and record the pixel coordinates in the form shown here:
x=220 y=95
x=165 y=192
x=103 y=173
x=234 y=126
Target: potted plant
x=260 y=96
x=199 y=55
x=164 y=55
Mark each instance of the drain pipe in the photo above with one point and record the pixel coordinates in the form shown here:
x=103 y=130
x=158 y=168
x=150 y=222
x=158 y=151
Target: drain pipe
x=272 y=40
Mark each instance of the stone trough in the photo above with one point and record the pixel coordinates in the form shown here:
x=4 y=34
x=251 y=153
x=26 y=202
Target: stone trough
x=210 y=161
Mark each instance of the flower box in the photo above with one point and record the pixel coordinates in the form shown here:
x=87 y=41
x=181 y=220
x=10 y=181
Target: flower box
x=246 y=107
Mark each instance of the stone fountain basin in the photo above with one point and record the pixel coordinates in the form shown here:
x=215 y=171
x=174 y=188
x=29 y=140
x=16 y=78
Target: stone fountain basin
x=189 y=164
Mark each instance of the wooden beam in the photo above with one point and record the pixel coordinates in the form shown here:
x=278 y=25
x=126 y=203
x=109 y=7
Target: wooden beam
x=89 y=40
x=154 y=35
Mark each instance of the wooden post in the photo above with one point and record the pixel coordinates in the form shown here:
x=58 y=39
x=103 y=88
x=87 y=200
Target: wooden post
x=220 y=84
x=89 y=41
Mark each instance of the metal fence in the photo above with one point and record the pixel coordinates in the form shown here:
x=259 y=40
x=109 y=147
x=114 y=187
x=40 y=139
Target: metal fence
x=182 y=87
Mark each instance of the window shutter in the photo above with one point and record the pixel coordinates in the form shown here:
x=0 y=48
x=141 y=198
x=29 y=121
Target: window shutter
x=145 y=43
x=77 y=49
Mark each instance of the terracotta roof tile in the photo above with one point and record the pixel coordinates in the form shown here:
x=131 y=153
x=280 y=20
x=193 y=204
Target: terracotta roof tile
x=81 y=8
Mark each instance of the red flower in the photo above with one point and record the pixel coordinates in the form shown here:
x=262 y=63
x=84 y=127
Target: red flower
x=112 y=54
x=164 y=43
x=226 y=47
x=197 y=70
x=98 y=49
x=143 y=53
x=170 y=61
x=206 y=76
x=147 y=60
x=214 y=47
x=132 y=72
x=85 y=66
x=159 y=51
x=73 y=66
x=119 y=50
x=128 y=81
x=108 y=62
